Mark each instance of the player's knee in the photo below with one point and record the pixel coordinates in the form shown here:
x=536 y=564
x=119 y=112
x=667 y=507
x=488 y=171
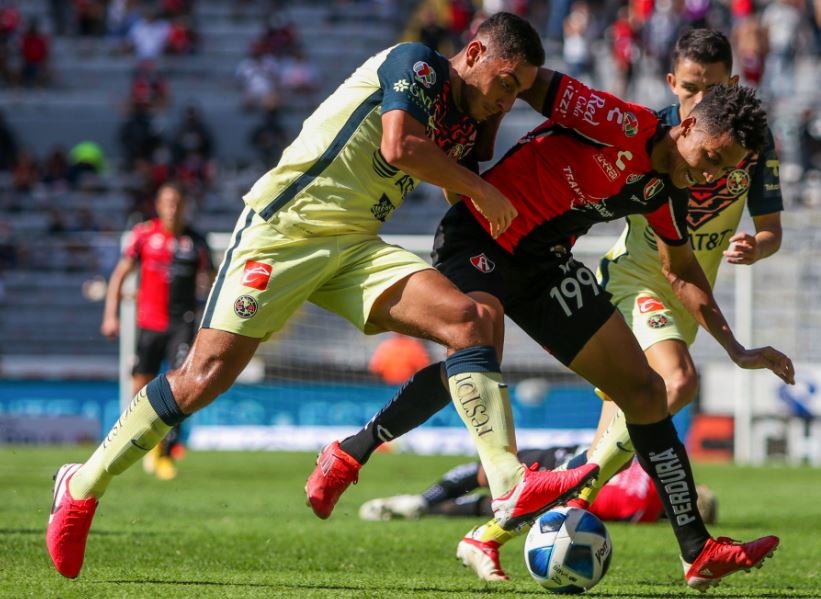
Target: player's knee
x=644 y=398
x=681 y=389
x=471 y=323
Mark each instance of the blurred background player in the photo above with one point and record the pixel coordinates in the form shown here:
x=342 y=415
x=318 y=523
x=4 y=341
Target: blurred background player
x=630 y=496
x=631 y=272
x=174 y=262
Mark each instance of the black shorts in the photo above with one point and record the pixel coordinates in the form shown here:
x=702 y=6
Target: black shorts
x=171 y=345
x=553 y=298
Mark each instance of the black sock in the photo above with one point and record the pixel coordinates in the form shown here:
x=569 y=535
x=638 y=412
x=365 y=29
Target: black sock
x=455 y=483
x=420 y=398
x=663 y=457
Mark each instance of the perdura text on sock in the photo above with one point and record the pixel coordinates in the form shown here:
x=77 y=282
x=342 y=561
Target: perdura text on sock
x=672 y=476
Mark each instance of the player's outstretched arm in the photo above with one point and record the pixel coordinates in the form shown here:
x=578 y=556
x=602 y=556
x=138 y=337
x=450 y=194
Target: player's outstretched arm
x=406 y=146
x=110 y=327
x=749 y=249
x=690 y=285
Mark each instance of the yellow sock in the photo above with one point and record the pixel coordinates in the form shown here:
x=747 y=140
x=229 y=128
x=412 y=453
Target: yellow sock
x=132 y=436
x=492 y=531
x=613 y=451
x=483 y=403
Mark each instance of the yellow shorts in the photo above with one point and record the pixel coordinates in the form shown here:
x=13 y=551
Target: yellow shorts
x=651 y=315
x=266 y=276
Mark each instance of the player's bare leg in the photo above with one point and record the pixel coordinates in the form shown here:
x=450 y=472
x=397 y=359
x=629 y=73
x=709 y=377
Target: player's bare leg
x=427 y=305
x=213 y=364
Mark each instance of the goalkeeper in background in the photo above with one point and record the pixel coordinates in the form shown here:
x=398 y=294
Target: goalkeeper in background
x=630 y=496
x=173 y=261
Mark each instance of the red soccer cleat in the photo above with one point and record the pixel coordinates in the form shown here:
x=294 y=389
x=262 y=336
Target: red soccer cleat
x=335 y=471
x=68 y=525
x=723 y=556
x=539 y=491
x=481 y=556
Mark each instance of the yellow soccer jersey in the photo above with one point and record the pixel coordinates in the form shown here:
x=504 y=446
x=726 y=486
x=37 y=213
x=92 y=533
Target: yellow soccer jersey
x=714 y=213
x=333 y=180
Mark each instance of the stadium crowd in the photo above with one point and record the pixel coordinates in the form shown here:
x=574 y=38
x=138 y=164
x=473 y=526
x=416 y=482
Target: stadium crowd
x=612 y=44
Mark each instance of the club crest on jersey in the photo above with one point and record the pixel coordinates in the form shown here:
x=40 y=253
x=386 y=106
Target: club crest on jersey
x=652 y=187
x=634 y=178
x=482 y=263
x=659 y=321
x=648 y=304
x=738 y=181
x=245 y=306
x=256 y=274
x=424 y=73
x=630 y=124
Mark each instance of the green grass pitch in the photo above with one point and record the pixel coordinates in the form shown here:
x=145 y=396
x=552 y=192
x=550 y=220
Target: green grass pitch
x=236 y=525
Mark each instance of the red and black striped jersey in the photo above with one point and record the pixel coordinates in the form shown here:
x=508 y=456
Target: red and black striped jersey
x=588 y=163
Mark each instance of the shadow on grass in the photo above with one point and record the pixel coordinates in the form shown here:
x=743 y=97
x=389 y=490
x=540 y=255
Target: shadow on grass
x=487 y=591
x=96 y=533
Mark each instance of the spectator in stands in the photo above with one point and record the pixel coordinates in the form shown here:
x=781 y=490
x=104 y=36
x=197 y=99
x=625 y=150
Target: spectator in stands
x=182 y=37
x=8 y=249
x=56 y=169
x=174 y=261
x=432 y=33
x=149 y=87
x=9 y=24
x=259 y=76
x=625 y=50
x=26 y=173
x=298 y=74
x=90 y=17
x=810 y=141
x=783 y=22
x=59 y=11
x=8 y=145
x=34 y=55
x=398 y=358
x=576 y=48
x=193 y=136
x=278 y=39
x=122 y=16
x=87 y=164
x=138 y=136
x=9 y=21
x=149 y=35
x=750 y=45
x=269 y=137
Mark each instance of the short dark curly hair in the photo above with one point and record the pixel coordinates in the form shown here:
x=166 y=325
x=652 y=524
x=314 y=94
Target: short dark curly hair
x=736 y=110
x=511 y=36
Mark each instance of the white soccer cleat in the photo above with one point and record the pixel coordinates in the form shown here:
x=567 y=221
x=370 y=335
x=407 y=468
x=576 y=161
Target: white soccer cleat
x=410 y=507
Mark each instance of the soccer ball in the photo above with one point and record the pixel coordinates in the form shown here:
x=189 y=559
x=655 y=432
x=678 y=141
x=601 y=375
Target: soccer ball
x=568 y=550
